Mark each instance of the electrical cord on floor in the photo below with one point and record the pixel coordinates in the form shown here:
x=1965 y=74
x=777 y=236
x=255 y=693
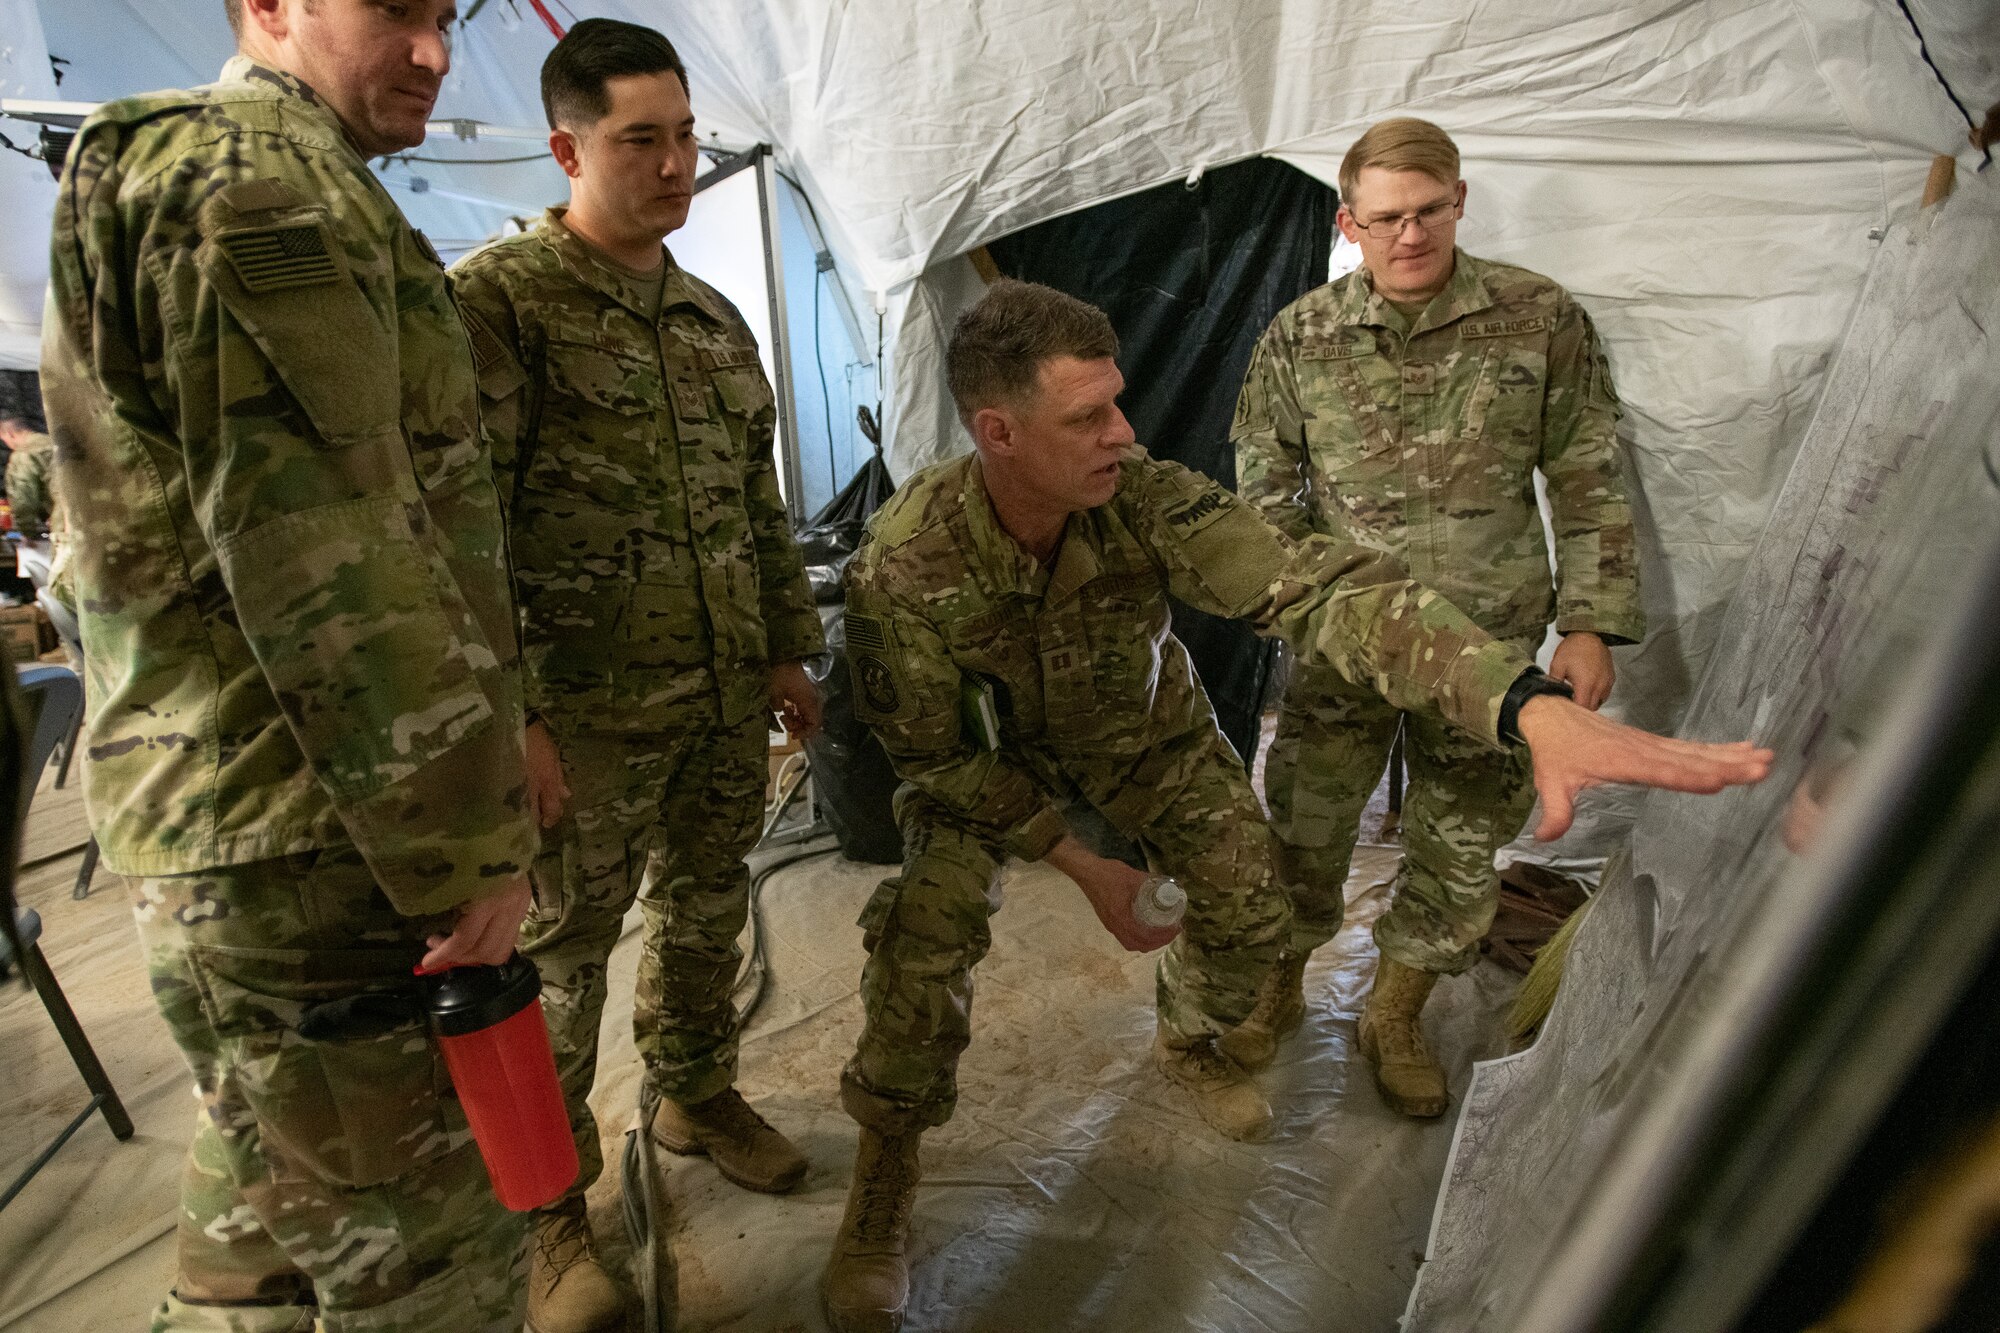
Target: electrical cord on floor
x=648 y=1220
x=755 y=977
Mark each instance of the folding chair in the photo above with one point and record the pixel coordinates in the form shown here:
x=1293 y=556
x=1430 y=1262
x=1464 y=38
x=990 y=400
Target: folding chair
x=55 y=696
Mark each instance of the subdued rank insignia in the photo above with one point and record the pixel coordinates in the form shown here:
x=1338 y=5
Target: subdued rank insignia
x=878 y=684
x=1419 y=378
x=866 y=632
x=690 y=400
x=276 y=258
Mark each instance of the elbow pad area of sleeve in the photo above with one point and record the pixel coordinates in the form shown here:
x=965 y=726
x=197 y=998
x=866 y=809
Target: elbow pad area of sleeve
x=341 y=607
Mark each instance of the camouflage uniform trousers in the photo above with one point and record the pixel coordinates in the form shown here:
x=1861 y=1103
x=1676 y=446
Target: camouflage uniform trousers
x=667 y=817
x=927 y=928
x=333 y=1168
x=1464 y=801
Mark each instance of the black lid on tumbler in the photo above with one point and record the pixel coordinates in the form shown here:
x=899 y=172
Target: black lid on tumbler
x=465 y=1000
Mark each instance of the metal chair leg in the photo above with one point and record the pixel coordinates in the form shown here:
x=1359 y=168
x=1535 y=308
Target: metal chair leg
x=69 y=749
x=36 y=968
x=85 y=871
x=1392 y=821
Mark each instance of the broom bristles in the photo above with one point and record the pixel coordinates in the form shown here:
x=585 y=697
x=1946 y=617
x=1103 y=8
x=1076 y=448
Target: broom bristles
x=1538 y=989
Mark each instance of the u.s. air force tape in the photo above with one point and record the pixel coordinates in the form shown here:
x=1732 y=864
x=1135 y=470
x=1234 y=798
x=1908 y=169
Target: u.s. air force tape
x=271 y=259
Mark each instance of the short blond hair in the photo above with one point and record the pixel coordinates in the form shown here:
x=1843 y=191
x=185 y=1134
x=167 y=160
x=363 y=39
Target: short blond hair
x=1402 y=144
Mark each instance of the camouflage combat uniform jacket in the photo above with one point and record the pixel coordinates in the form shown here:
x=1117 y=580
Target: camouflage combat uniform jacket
x=1423 y=443
x=1089 y=687
x=30 y=488
x=288 y=553
x=653 y=557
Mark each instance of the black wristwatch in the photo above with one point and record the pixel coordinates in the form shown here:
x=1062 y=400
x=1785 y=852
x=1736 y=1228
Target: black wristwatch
x=1526 y=686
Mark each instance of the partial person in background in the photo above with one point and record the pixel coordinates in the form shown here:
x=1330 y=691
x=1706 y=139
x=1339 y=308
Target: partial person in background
x=1009 y=635
x=664 y=616
x=31 y=457
x=37 y=507
x=1407 y=408
x=305 y=712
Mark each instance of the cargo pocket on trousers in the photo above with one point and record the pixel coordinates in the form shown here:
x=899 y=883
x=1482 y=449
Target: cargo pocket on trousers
x=874 y=919
x=359 y=1103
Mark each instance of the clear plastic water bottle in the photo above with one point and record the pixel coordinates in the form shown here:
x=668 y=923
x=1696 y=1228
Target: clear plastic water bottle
x=1161 y=902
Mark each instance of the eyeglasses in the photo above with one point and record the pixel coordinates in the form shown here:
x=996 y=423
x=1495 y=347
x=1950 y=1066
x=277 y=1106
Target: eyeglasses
x=1430 y=219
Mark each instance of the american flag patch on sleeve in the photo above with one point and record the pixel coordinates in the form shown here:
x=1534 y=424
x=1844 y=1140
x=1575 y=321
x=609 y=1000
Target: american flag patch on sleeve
x=272 y=259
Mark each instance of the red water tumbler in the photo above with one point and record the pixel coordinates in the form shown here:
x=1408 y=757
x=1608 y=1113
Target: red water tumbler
x=488 y=1021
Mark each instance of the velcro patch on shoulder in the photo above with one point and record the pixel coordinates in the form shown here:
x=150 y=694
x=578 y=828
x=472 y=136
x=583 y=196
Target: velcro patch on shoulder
x=271 y=259
x=866 y=632
x=487 y=350
x=257 y=196
x=1503 y=328
x=728 y=358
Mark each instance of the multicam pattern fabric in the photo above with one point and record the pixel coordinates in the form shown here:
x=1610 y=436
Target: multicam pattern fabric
x=653 y=555
x=1462 y=804
x=325 y=1170
x=305 y=717
x=286 y=545
x=667 y=818
x=30 y=488
x=1422 y=440
x=658 y=582
x=1092 y=698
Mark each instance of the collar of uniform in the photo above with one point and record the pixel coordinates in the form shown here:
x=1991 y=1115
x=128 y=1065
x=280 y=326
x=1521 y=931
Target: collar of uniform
x=590 y=268
x=300 y=95
x=1006 y=565
x=1465 y=294
x=242 y=69
x=1360 y=303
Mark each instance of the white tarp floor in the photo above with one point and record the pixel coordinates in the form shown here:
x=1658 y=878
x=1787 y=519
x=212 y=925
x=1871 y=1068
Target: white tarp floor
x=1074 y=1190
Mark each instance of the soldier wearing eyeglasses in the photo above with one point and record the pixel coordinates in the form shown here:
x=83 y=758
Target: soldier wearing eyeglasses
x=1407 y=407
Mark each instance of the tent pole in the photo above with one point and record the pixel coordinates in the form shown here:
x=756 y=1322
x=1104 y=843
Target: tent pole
x=781 y=335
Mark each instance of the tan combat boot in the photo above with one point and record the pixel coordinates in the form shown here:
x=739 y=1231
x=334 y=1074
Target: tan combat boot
x=568 y=1289
x=867 y=1281
x=1392 y=1037
x=1281 y=1008
x=745 y=1147
x=1223 y=1093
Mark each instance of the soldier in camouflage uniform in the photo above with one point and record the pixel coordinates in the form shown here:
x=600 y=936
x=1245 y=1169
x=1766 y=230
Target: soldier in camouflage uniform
x=1008 y=622
x=305 y=714
x=664 y=613
x=30 y=464
x=1406 y=408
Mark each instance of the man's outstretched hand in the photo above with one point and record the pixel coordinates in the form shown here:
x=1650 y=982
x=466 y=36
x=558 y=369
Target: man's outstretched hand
x=1573 y=748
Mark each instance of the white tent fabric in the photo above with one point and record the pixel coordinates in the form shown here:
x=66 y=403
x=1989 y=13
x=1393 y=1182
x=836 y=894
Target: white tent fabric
x=27 y=189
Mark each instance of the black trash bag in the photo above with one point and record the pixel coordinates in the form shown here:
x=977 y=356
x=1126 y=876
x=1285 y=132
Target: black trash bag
x=830 y=540
x=853 y=780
